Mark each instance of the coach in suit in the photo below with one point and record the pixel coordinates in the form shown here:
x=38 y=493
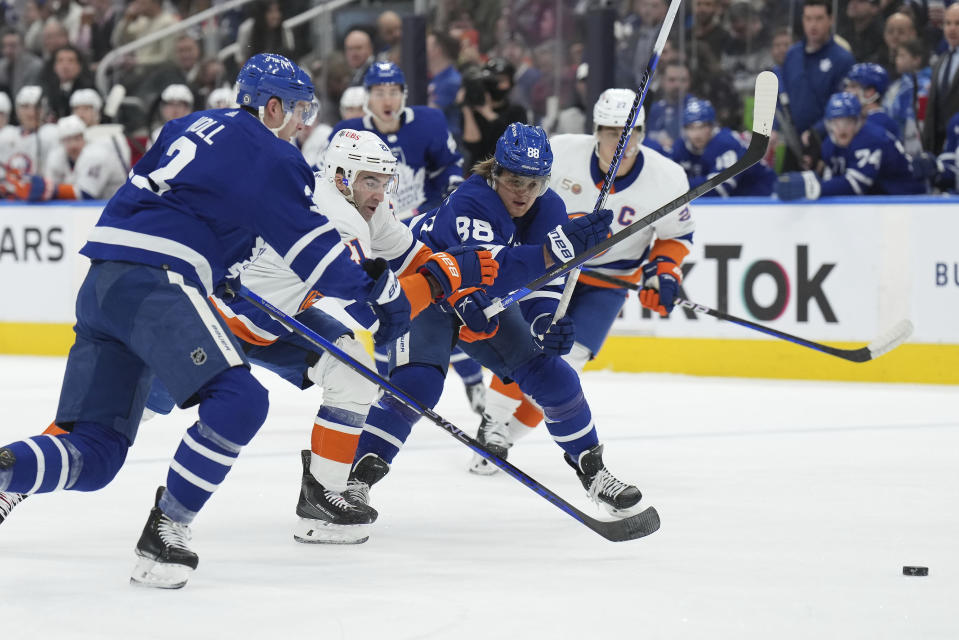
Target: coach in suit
x=944 y=87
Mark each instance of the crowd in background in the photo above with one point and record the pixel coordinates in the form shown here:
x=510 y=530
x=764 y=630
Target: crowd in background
x=491 y=63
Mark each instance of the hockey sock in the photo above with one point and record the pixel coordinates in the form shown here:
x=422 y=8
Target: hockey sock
x=390 y=422
x=86 y=459
x=336 y=434
x=502 y=400
x=232 y=408
x=468 y=369
x=526 y=418
x=554 y=385
x=53 y=430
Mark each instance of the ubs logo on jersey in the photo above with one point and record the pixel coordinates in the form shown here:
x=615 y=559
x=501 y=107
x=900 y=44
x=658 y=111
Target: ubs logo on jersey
x=198 y=356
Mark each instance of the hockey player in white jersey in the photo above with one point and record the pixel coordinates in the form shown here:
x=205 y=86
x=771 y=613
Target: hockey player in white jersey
x=79 y=169
x=653 y=257
x=24 y=149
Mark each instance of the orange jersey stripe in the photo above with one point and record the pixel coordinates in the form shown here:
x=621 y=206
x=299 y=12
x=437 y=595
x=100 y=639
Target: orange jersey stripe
x=53 y=430
x=528 y=414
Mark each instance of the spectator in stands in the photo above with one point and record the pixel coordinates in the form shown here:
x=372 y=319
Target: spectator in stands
x=70 y=73
x=263 y=32
x=526 y=76
x=665 y=115
x=814 y=69
x=486 y=109
x=389 y=30
x=868 y=81
x=184 y=68
x=902 y=100
x=748 y=48
x=210 y=77
x=944 y=87
x=53 y=37
x=899 y=28
x=707 y=27
x=865 y=31
x=18 y=67
x=140 y=18
x=631 y=63
x=96 y=29
x=782 y=40
x=351 y=103
x=442 y=50
x=358 y=49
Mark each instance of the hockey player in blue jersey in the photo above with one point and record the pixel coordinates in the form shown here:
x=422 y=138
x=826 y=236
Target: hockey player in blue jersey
x=188 y=216
x=708 y=149
x=429 y=164
x=860 y=158
x=506 y=206
x=868 y=81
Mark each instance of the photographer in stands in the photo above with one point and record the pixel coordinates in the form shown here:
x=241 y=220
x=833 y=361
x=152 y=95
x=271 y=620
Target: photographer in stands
x=487 y=111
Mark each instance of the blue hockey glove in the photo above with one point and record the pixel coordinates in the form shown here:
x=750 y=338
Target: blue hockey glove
x=926 y=166
x=554 y=338
x=388 y=300
x=661 y=278
x=796 y=185
x=461 y=268
x=579 y=234
x=468 y=305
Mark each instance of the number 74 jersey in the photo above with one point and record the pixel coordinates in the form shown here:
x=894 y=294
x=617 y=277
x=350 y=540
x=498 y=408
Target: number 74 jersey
x=652 y=182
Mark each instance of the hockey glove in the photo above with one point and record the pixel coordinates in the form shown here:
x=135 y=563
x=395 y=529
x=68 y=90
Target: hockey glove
x=29 y=188
x=796 y=185
x=579 y=234
x=661 y=278
x=926 y=166
x=388 y=301
x=461 y=267
x=554 y=338
x=468 y=305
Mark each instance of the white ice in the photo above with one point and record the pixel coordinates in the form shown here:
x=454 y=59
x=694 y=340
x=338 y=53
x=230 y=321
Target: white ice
x=788 y=508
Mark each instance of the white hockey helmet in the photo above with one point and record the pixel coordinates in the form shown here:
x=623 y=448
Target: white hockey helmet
x=221 y=98
x=69 y=126
x=86 y=98
x=5 y=105
x=612 y=110
x=177 y=93
x=29 y=96
x=352 y=98
x=351 y=152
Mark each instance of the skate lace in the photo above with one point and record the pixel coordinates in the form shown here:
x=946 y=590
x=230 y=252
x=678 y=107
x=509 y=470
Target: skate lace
x=359 y=491
x=494 y=433
x=8 y=501
x=174 y=534
x=605 y=484
x=338 y=501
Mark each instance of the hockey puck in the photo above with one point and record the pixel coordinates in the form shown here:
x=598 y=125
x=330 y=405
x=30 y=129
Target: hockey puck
x=915 y=571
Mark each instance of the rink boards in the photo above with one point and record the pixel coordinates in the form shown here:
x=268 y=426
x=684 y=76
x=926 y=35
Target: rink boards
x=840 y=272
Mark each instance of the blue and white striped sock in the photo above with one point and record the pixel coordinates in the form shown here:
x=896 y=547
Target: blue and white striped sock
x=199 y=465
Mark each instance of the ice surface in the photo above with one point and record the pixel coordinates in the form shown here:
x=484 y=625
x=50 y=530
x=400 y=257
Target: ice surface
x=789 y=509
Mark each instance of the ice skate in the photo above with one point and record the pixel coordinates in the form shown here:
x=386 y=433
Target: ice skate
x=8 y=501
x=368 y=471
x=327 y=517
x=165 y=559
x=495 y=437
x=476 y=394
x=617 y=497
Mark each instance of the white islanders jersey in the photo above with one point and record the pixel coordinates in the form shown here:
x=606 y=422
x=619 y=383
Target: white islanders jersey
x=654 y=181
x=27 y=153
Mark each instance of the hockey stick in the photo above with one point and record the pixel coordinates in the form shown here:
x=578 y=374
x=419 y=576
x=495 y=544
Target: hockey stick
x=884 y=343
x=664 y=29
x=636 y=526
x=790 y=135
x=763 y=109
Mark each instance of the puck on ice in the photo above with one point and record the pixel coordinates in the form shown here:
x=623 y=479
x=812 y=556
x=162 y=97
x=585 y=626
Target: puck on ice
x=915 y=571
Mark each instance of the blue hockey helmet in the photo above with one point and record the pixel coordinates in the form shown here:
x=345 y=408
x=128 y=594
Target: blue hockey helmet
x=524 y=150
x=843 y=105
x=268 y=75
x=383 y=73
x=698 y=110
x=869 y=74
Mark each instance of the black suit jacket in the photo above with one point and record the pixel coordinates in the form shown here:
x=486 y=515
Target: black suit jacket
x=934 y=128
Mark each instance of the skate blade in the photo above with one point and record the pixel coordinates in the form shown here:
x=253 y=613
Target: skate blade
x=481 y=466
x=150 y=573
x=310 y=531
